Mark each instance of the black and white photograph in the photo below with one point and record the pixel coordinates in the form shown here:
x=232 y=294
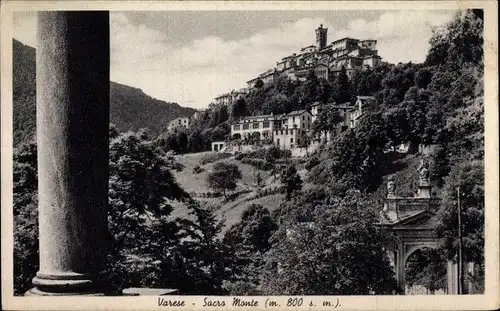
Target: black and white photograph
x=250 y=152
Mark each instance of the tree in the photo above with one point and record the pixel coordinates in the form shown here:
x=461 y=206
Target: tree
x=328 y=120
x=459 y=42
x=25 y=213
x=250 y=239
x=292 y=181
x=196 y=142
x=327 y=244
x=259 y=83
x=255 y=138
x=239 y=109
x=469 y=176
x=357 y=157
x=310 y=89
x=206 y=261
x=276 y=104
x=304 y=141
x=258 y=179
x=140 y=186
x=224 y=176
x=254 y=229
x=342 y=88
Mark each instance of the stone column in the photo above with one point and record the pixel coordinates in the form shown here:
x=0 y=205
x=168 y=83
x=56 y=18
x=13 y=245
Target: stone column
x=72 y=62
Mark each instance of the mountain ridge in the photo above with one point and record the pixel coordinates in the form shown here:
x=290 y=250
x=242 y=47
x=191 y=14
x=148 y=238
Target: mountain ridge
x=130 y=108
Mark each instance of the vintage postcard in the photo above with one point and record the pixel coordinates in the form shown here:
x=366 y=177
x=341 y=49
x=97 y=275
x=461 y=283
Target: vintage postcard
x=220 y=155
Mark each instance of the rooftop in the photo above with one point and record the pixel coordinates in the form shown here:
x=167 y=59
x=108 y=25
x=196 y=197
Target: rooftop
x=346 y=38
x=366 y=97
x=309 y=46
x=346 y=105
x=297 y=112
x=250 y=118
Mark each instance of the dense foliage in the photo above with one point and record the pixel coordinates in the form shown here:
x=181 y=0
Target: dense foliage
x=250 y=240
x=469 y=177
x=327 y=244
x=147 y=246
x=291 y=180
x=439 y=102
x=25 y=211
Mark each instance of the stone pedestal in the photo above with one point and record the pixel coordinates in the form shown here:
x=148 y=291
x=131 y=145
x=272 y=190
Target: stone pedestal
x=424 y=190
x=72 y=61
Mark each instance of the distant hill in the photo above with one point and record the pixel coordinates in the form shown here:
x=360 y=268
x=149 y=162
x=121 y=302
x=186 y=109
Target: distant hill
x=130 y=108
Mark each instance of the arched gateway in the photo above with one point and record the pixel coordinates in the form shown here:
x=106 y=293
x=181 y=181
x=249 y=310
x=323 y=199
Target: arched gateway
x=410 y=221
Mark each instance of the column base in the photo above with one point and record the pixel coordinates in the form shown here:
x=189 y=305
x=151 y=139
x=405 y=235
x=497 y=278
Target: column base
x=37 y=292
x=67 y=284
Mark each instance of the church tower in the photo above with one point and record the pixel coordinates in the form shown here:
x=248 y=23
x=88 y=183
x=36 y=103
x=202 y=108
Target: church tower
x=321 y=34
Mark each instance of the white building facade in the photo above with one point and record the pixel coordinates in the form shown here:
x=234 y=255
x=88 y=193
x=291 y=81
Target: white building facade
x=218 y=146
x=246 y=127
x=178 y=122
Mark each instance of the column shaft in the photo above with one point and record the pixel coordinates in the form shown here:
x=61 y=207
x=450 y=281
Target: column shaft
x=72 y=61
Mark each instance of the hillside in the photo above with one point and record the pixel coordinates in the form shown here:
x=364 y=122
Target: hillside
x=130 y=108
x=229 y=210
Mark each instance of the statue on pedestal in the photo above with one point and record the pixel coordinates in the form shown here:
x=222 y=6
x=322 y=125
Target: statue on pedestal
x=423 y=171
x=391 y=186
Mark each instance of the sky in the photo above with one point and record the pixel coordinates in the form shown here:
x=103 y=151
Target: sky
x=190 y=57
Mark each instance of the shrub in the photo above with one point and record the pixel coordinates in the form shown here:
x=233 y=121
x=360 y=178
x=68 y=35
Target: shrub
x=239 y=156
x=312 y=162
x=197 y=169
x=257 y=163
x=213 y=157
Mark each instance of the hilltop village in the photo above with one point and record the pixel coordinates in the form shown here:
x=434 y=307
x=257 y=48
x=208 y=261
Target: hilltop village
x=326 y=61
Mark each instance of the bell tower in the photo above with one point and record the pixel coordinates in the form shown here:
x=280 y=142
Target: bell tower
x=321 y=37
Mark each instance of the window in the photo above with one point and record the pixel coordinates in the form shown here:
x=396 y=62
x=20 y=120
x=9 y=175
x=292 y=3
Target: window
x=278 y=141
x=309 y=126
x=256 y=125
x=298 y=141
x=246 y=126
x=185 y=121
x=236 y=127
x=302 y=118
x=293 y=119
x=265 y=124
x=281 y=132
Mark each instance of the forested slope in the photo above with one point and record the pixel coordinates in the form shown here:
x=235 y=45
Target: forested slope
x=130 y=108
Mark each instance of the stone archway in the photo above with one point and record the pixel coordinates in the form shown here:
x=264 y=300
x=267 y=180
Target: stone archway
x=410 y=221
x=425 y=271
x=407 y=242
x=237 y=136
